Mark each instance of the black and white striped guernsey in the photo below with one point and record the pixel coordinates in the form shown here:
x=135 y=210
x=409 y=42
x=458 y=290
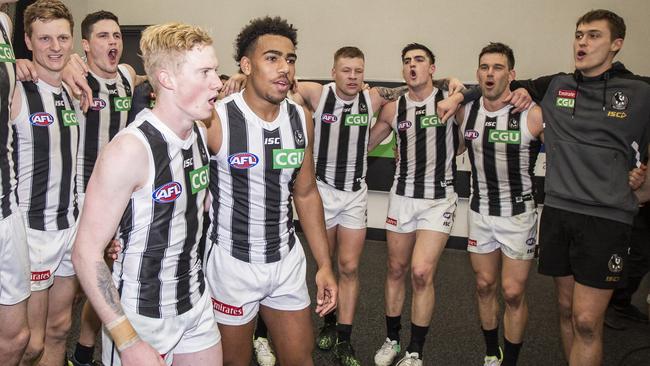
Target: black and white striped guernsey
x=341 y=130
x=427 y=149
x=107 y=115
x=158 y=274
x=46 y=134
x=252 y=178
x=7 y=84
x=502 y=153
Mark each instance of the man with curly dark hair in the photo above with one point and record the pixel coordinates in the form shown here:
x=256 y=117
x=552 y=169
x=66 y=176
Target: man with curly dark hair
x=262 y=161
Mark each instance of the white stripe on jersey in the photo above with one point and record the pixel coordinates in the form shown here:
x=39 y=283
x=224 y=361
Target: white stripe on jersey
x=7 y=84
x=46 y=148
x=340 y=146
x=501 y=172
x=102 y=121
x=251 y=213
x=427 y=150
x=159 y=271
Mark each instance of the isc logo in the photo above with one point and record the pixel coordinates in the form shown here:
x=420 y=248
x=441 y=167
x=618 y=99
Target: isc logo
x=6 y=54
x=471 y=135
x=243 y=160
x=41 y=119
x=122 y=104
x=328 y=118
x=430 y=121
x=98 y=104
x=168 y=192
x=356 y=120
x=504 y=136
x=404 y=125
x=287 y=158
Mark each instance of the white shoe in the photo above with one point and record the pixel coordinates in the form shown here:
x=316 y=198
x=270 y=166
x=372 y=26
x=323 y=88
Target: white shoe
x=387 y=353
x=493 y=360
x=410 y=359
x=263 y=352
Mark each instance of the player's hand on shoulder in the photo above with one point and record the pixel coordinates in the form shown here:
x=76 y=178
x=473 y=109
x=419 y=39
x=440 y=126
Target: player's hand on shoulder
x=74 y=75
x=234 y=84
x=25 y=70
x=447 y=107
x=455 y=86
x=520 y=99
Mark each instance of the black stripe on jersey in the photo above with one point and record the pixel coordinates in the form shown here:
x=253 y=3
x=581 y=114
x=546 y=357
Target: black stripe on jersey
x=440 y=170
x=362 y=146
x=514 y=165
x=272 y=197
x=403 y=148
x=114 y=121
x=471 y=124
x=324 y=137
x=157 y=239
x=66 y=164
x=420 y=152
x=125 y=83
x=490 y=167
x=41 y=160
x=238 y=141
x=342 y=149
x=91 y=138
x=300 y=140
x=5 y=176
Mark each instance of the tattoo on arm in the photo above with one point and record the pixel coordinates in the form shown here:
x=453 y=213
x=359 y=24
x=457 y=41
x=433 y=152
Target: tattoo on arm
x=107 y=288
x=391 y=94
x=441 y=84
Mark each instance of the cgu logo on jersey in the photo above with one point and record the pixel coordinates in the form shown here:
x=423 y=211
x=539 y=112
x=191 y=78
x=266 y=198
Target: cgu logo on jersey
x=356 y=120
x=167 y=193
x=243 y=160
x=122 y=104
x=430 y=121
x=6 y=53
x=98 y=104
x=471 y=135
x=199 y=179
x=504 y=136
x=41 y=119
x=288 y=158
x=328 y=118
x=404 y=125
x=69 y=118
x=565 y=98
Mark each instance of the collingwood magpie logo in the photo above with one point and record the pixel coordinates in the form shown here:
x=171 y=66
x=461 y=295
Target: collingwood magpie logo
x=619 y=101
x=615 y=263
x=513 y=124
x=299 y=138
x=363 y=108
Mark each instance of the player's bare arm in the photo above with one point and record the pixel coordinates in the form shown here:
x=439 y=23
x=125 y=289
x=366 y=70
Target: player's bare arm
x=382 y=128
x=310 y=93
x=536 y=122
x=214 y=133
x=310 y=212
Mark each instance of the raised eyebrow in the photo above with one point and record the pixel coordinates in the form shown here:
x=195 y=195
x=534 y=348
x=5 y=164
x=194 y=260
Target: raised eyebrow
x=292 y=55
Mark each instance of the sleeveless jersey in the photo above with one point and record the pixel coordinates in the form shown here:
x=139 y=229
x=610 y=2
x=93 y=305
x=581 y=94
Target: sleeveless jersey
x=46 y=135
x=7 y=84
x=502 y=153
x=158 y=274
x=427 y=149
x=252 y=178
x=341 y=130
x=106 y=116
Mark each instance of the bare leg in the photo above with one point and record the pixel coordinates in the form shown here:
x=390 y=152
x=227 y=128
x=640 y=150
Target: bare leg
x=14 y=335
x=292 y=335
x=589 y=305
x=59 y=319
x=37 y=318
x=236 y=343
x=424 y=262
x=211 y=356
x=350 y=246
x=513 y=284
x=486 y=269
x=564 y=288
x=400 y=248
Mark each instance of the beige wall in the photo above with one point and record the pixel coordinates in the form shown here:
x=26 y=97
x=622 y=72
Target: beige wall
x=539 y=31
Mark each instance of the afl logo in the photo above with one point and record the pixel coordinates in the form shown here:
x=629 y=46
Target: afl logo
x=471 y=134
x=328 y=118
x=168 y=192
x=243 y=160
x=404 y=125
x=98 y=104
x=41 y=119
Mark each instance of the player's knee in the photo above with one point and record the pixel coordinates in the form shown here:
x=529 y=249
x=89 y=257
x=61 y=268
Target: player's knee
x=513 y=295
x=16 y=343
x=34 y=350
x=396 y=270
x=422 y=276
x=59 y=327
x=565 y=309
x=486 y=285
x=349 y=269
x=585 y=326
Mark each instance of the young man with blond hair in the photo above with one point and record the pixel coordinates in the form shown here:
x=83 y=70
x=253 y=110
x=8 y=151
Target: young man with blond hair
x=151 y=181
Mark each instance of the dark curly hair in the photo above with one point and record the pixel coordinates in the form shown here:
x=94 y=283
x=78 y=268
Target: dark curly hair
x=258 y=27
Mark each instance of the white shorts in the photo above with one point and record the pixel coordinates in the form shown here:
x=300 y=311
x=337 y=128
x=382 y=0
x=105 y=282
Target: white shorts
x=238 y=288
x=50 y=254
x=406 y=215
x=14 y=261
x=191 y=332
x=514 y=235
x=348 y=209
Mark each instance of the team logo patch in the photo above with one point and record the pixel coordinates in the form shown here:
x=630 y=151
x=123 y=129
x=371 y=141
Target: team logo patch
x=404 y=125
x=391 y=221
x=227 y=309
x=298 y=138
x=430 y=121
x=513 y=124
x=199 y=179
x=615 y=263
x=619 y=101
x=288 y=158
x=122 y=104
x=471 y=242
x=41 y=119
x=447 y=215
x=41 y=276
x=6 y=54
x=363 y=108
x=328 y=118
x=504 y=136
x=243 y=160
x=471 y=135
x=565 y=98
x=530 y=241
x=98 y=104
x=69 y=118
x=167 y=193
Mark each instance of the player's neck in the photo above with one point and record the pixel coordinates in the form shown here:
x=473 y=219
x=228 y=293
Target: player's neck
x=497 y=103
x=53 y=78
x=420 y=92
x=344 y=96
x=101 y=73
x=263 y=108
x=172 y=116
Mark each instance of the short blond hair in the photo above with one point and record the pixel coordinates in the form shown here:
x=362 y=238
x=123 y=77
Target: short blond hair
x=46 y=10
x=166 y=44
